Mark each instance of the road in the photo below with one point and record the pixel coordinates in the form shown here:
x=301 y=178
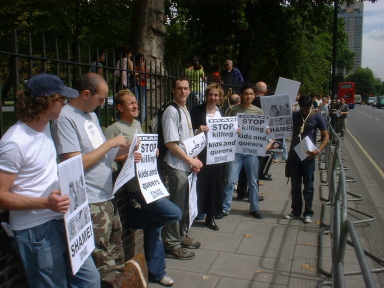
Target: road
x=364 y=146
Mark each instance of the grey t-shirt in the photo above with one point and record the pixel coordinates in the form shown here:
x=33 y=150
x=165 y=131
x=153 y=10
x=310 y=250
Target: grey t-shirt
x=176 y=131
x=128 y=130
x=78 y=131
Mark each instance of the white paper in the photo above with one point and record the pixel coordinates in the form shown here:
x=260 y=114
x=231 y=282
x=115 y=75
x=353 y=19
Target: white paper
x=279 y=109
x=253 y=136
x=7 y=228
x=77 y=220
x=194 y=145
x=338 y=113
x=288 y=86
x=150 y=183
x=221 y=140
x=128 y=170
x=304 y=146
x=192 y=179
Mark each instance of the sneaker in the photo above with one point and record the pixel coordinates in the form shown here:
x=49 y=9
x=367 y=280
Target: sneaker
x=179 y=253
x=290 y=216
x=166 y=281
x=188 y=242
x=308 y=219
x=256 y=214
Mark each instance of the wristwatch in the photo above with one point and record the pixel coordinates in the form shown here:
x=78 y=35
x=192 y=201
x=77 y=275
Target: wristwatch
x=318 y=149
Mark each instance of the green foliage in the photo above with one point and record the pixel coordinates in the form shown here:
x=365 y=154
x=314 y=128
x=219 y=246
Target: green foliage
x=364 y=81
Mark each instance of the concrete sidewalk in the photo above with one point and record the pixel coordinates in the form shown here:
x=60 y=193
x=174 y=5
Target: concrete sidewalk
x=268 y=252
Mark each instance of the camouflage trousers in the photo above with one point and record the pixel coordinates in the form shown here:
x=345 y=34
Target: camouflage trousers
x=108 y=254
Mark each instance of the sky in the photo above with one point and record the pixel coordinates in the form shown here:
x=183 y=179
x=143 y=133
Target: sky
x=373 y=38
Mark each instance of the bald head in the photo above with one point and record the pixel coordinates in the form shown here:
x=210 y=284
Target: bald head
x=234 y=99
x=261 y=88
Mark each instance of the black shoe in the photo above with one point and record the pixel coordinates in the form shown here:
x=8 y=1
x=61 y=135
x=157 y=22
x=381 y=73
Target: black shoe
x=210 y=223
x=240 y=197
x=220 y=216
x=256 y=214
x=261 y=198
x=266 y=178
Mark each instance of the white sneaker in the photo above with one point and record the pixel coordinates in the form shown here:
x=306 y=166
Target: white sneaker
x=308 y=219
x=166 y=281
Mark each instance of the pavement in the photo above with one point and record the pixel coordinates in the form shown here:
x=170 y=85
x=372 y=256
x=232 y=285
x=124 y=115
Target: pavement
x=270 y=252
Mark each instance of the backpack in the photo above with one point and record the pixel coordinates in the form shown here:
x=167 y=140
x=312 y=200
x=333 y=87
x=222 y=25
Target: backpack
x=157 y=128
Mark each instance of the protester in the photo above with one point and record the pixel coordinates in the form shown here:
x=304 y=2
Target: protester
x=250 y=162
x=234 y=100
x=178 y=166
x=211 y=177
x=342 y=119
x=124 y=70
x=305 y=123
x=29 y=188
x=150 y=217
x=77 y=131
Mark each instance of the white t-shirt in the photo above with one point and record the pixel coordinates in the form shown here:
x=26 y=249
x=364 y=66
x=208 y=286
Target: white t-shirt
x=32 y=156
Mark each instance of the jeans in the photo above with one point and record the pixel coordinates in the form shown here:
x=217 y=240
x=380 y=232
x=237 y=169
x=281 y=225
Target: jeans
x=302 y=172
x=44 y=253
x=251 y=165
x=151 y=217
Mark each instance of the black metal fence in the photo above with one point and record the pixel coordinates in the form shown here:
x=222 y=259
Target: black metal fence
x=152 y=85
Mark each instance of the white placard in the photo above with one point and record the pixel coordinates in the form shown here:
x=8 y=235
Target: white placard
x=77 y=220
x=285 y=85
x=221 y=142
x=279 y=109
x=128 y=170
x=195 y=145
x=192 y=179
x=253 y=136
x=304 y=146
x=150 y=183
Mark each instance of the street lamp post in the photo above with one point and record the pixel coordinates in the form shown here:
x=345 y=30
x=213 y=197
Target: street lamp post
x=334 y=62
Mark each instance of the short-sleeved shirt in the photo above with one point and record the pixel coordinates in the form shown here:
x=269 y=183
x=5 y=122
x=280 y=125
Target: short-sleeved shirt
x=78 y=131
x=176 y=131
x=252 y=109
x=194 y=77
x=128 y=130
x=31 y=155
x=310 y=128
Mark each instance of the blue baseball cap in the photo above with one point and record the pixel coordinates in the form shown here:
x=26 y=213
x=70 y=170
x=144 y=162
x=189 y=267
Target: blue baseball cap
x=48 y=84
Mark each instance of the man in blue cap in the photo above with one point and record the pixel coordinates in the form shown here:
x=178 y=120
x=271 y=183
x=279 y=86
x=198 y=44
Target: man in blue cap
x=29 y=188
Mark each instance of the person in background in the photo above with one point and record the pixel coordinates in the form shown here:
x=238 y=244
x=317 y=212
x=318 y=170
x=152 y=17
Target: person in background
x=124 y=70
x=29 y=188
x=96 y=64
x=195 y=73
x=234 y=100
x=77 y=132
x=231 y=77
x=324 y=109
x=211 y=177
x=305 y=123
x=216 y=76
x=149 y=217
x=141 y=84
x=342 y=120
x=178 y=167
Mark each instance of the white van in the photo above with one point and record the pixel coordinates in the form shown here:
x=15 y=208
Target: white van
x=358 y=99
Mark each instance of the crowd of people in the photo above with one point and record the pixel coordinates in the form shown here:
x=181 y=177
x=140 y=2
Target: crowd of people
x=29 y=182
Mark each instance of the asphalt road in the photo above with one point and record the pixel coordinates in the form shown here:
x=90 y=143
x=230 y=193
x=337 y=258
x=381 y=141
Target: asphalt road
x=364 y=145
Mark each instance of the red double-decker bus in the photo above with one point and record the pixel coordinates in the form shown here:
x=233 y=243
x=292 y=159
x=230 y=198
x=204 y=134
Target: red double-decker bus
x=347 y=91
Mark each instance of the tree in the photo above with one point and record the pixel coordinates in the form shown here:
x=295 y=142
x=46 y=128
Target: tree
x=364 y=82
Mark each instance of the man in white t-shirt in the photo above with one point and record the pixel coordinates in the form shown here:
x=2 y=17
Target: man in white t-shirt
x=29 y=188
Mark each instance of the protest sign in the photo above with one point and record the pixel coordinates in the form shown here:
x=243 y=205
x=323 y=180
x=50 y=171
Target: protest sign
x=288 y=86
x=128 y=170
x=151 y=186
x=194 y=145
x=253 y=136
x=77 y=220
x=192 y=178
x=279 y=109
x=221 y=146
